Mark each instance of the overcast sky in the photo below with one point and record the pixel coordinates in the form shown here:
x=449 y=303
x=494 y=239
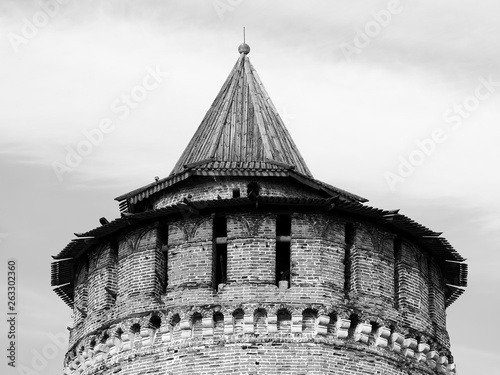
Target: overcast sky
x=396 y=102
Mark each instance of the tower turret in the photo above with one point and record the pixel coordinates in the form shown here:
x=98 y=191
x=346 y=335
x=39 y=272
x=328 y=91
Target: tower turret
x=241 y=262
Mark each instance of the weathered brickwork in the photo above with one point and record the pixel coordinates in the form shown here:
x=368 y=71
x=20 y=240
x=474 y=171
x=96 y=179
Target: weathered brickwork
x=240 y=262
x=148 y=301
x=251 y=255
x=81 y=292
x=102 y=280
x=222 y=187
x=268 y=334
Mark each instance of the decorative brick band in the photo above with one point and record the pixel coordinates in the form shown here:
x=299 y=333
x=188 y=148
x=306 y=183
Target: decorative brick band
x=173 y=330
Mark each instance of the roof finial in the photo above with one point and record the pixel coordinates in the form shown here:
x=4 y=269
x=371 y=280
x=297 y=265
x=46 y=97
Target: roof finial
x=244 y=48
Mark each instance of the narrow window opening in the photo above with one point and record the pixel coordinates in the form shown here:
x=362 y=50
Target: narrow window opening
x=236 y=192
x=397 y=260
x=349 y=233
x=283 y=225
x=283 y=263
x=283 y=253
x=220 y=226
x=220 y=250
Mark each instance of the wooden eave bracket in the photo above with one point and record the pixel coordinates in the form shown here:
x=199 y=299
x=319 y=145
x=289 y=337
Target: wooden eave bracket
x=390 y=215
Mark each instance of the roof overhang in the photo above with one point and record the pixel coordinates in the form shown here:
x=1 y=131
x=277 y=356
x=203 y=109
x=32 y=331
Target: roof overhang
x=224 y=169
x=455 y=271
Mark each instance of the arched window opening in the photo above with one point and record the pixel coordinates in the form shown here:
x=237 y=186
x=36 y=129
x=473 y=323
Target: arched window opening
x=238 y=321
x=175 y=326
x=218 y=323
x=119 y=333
x=375 y=328
x=155 y=322
x=354 y=323
x=260 y=322
x=284 y=320
x=104 y=338
x=196 y=325
x=135 y=328
x=309 y=321
x=392 y=329
x=332 y=324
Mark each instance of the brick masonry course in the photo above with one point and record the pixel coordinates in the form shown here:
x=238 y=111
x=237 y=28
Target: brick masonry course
x=146 y=302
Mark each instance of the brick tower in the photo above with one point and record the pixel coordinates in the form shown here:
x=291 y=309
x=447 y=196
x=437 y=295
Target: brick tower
x=240 y=262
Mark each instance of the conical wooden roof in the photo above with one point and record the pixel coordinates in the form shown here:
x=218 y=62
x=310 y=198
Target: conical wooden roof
x=242 y=126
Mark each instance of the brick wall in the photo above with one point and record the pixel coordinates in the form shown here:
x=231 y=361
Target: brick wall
x=102 y=281
x=277 y=341
x=206 y=188
x=139 y=283
x=190 y=254
x=251 y=252
x=414 y=289
x=389 y=311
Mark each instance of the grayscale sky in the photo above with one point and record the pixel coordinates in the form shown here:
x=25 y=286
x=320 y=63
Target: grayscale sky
x=394 y=101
